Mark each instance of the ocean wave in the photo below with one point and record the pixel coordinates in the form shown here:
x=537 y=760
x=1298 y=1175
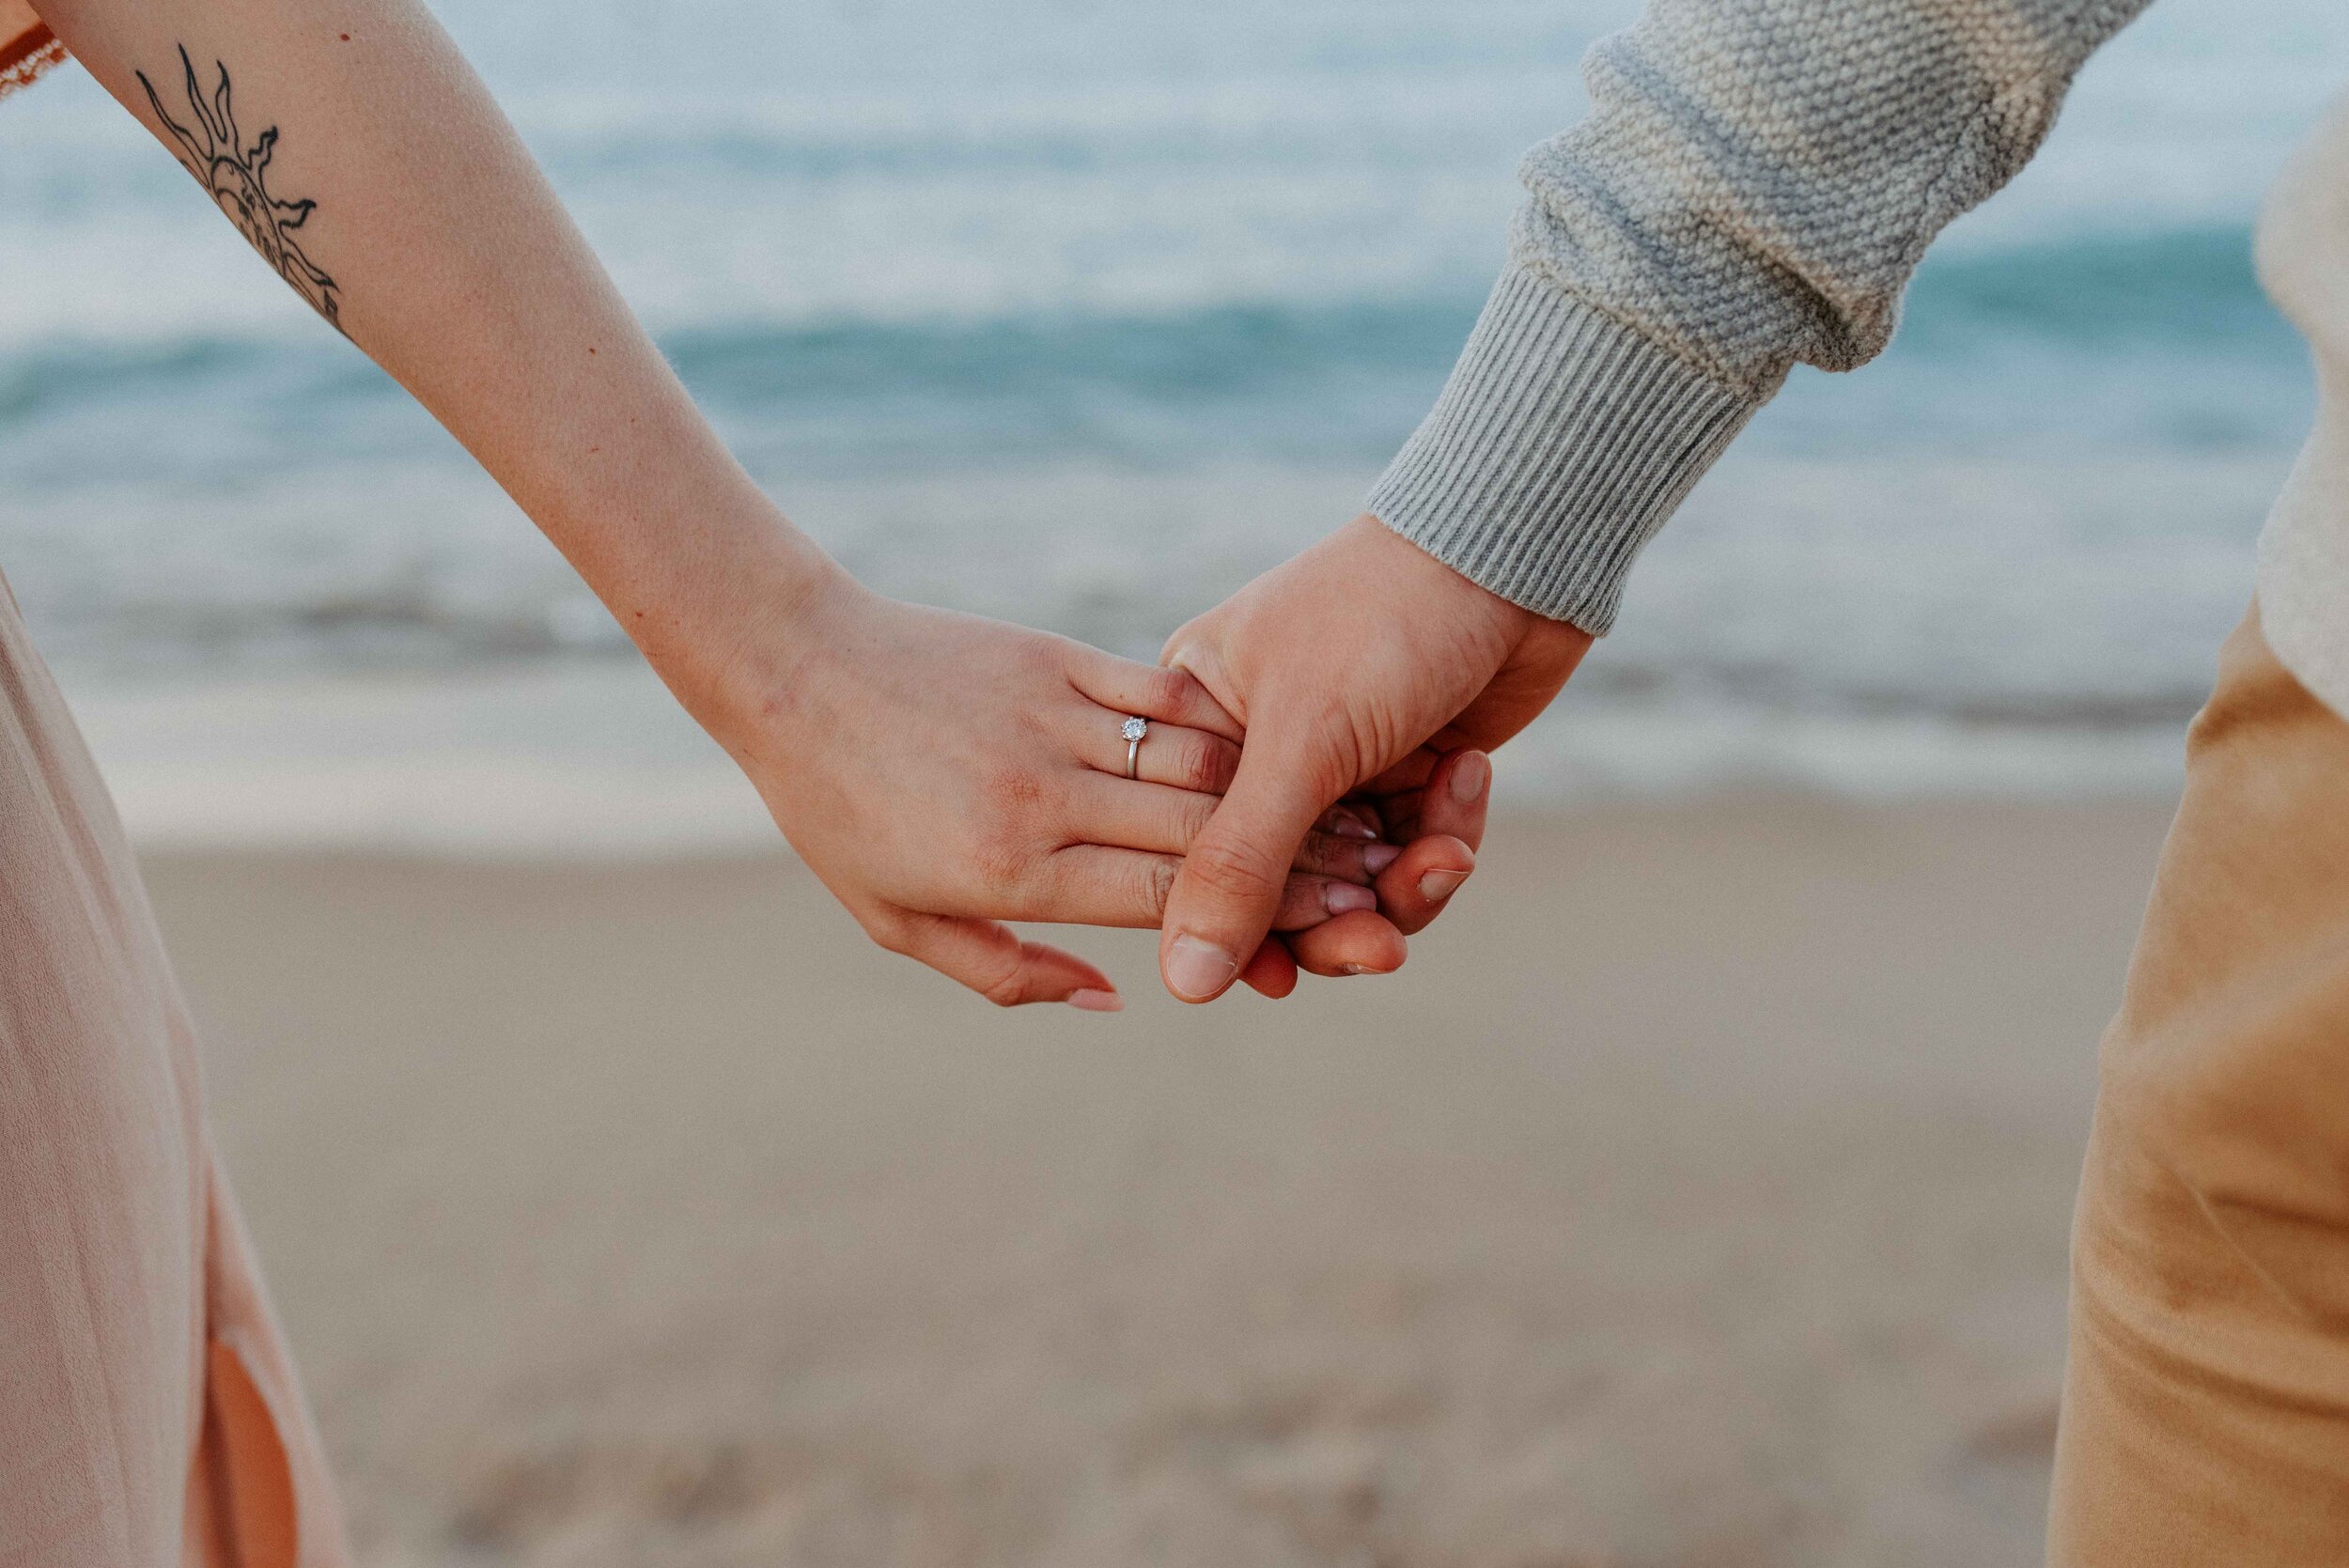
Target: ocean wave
x=2154 y=321
x=2188 y=289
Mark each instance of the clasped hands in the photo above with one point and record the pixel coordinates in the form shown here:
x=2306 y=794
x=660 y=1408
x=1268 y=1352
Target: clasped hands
x=1313 y=788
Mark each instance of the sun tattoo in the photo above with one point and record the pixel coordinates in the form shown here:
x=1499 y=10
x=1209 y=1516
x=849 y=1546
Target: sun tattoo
x=238 y=178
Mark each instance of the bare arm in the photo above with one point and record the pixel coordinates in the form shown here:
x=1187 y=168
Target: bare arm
x=355 y=149
x=940 y=773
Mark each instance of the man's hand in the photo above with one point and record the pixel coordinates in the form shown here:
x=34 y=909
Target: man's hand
x=1365 y=664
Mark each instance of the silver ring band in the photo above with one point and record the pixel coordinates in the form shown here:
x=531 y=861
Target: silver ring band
x=1133 y=729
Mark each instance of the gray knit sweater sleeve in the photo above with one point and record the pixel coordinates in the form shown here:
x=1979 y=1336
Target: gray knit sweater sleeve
x=1753 y=186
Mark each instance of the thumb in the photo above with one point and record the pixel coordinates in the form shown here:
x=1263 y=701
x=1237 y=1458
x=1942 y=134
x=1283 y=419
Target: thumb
x=1229 y=888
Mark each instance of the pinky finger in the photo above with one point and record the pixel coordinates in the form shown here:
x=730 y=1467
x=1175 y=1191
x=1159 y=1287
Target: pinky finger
x=1272 y=972
x=990 y=957
x=1416 y=888
x=1358 y=944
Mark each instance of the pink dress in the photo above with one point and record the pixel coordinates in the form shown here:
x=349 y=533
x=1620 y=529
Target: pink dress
x=149 y=1415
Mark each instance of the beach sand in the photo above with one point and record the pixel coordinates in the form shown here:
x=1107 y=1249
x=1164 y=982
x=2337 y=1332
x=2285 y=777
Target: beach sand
x=1698 y=1196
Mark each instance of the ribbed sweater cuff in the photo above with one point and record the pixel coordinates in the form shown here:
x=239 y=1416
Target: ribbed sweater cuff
x=1562 y=442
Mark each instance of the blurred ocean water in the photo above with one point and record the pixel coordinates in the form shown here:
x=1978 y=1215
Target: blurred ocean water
x=1081 y=314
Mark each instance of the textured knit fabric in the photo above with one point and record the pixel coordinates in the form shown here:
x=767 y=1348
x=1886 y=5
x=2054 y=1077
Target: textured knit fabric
x=2207 y=1401
x=1753 y=188
x=148 y=1412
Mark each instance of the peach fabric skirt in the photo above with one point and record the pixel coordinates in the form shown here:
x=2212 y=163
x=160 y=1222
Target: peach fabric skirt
x=149 y=1413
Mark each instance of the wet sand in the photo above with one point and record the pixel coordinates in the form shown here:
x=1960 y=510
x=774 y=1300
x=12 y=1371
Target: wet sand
x=1697 y=1197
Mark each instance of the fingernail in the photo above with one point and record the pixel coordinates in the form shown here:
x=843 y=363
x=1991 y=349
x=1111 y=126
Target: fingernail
x=1379 y=856
x=1095 y=1001
x=1341 y=898
x=1436 y=886
x=1345 y=824
x=1471 y=777
x=1198 y=970
x=1354 y=968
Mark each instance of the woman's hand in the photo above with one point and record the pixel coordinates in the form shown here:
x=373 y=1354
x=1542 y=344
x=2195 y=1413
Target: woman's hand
x=944 y=773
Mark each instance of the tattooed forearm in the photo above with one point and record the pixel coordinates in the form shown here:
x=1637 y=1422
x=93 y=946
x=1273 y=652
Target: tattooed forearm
x=238 y=178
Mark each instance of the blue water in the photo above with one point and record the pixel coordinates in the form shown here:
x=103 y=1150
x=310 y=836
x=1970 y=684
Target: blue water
x=1082 y=313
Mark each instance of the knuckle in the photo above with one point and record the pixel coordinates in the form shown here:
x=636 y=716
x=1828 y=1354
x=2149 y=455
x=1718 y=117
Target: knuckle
x=1000 y=857
x=1207 y=766
x=1043 y=658
x=1155 y=885
x=1023 y=792
x=1230 y=869
x=1188 y=820
x=1327 y=855
x=1171 y=690
x=1301 y=906
x=1031 y=734
x=1009 y=990
x=890 y=931
x=1009 y=793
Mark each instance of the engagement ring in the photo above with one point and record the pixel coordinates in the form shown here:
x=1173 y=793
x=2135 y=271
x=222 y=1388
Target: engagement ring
x=1133 y=730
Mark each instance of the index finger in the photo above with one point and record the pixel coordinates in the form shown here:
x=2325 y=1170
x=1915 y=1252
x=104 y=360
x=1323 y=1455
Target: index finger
x=1445 y=823
x=1416 y=888
x=1172 y=695
x=1450 y=802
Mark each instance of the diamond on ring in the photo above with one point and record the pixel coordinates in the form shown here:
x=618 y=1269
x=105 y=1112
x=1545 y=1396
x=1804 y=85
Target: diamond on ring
x=1133 y=729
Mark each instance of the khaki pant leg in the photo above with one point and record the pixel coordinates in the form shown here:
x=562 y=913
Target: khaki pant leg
x=2206 y=1404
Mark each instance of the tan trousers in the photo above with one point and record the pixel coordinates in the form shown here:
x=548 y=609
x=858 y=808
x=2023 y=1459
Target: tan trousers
x=148 y=1412
x=2206 y=1406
